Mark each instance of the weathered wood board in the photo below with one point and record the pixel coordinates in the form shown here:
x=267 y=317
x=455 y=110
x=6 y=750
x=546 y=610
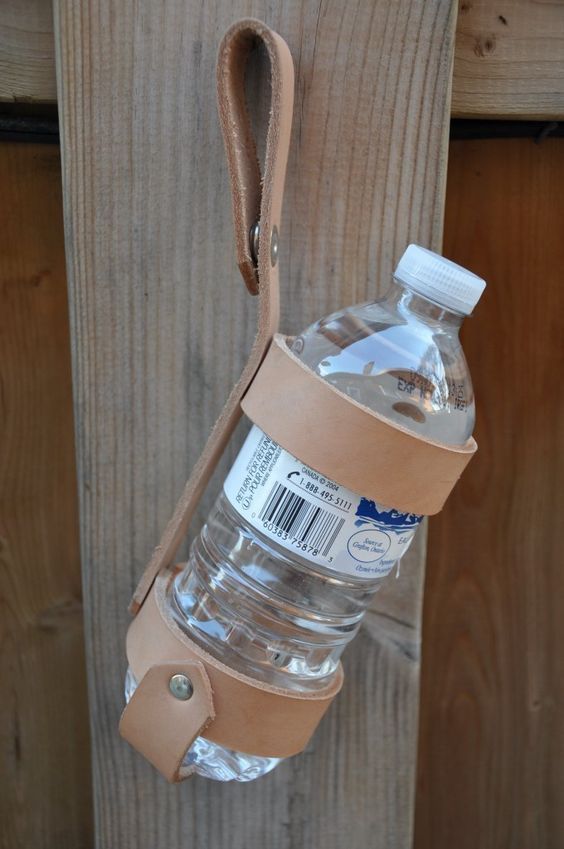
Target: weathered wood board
x=45 y=799
x=509 y=60
x=491 y=736
x=27 y=51
x=509 y=57
x=160 y=327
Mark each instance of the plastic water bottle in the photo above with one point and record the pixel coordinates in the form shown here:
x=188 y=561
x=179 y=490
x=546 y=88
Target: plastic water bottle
x=280 y=577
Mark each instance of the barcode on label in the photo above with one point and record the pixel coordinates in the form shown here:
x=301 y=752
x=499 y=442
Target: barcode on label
x=300 y=519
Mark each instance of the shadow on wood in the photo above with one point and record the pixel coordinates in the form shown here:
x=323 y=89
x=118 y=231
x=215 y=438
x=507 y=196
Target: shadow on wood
x=45 y=763
x=491 y=753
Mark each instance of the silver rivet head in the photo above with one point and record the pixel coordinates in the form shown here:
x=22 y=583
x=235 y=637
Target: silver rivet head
x=254 y=236
x=274 y=247
x=181 y=687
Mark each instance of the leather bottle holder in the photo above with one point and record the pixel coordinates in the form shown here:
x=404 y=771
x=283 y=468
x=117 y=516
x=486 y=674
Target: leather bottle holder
x=395 y=467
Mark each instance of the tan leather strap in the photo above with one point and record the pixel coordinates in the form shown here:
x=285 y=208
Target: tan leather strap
x=163 y=727
x=359 y=449
x=250 y=716
x=255 y=199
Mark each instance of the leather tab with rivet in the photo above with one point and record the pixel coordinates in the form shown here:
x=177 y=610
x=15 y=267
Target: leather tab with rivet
x=163 y=718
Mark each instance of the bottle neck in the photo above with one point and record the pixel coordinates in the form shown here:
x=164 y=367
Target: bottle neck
x=403 y=300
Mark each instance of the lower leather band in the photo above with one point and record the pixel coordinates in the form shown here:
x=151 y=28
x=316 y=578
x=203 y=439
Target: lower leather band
x=240 y=712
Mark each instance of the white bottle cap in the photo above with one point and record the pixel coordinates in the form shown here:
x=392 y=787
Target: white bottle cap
x=439 y=279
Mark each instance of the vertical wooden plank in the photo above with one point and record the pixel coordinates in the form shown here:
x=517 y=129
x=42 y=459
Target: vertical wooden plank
x=45 y=762
x=491 y=738
x=160 y=326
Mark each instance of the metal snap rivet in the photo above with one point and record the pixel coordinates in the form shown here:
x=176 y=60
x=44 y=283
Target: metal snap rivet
x=274 y=247
x=254 y=236
x=181 y=687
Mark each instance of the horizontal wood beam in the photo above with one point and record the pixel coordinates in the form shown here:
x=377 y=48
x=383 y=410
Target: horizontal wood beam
x=509 y=57
x=27 y=52
x=509 y=60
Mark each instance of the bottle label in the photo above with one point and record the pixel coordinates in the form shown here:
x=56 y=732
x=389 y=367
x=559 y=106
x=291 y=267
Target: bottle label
x=309 y=515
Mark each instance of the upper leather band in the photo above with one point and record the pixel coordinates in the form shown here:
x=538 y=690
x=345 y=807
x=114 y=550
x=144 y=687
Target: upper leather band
x=355 y=446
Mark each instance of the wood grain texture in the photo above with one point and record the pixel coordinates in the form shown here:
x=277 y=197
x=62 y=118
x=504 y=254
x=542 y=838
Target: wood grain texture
x=509 y=60
x=27 y=51
x=491 y=770
x=160 y=329
x=45 y=759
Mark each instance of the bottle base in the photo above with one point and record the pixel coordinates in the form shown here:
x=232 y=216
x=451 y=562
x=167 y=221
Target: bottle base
x=220 y=764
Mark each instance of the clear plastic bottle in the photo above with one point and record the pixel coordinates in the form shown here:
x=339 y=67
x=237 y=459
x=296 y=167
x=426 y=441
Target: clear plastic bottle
x=281 y=574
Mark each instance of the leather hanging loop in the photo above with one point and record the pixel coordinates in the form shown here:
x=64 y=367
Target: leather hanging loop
x=256 y=198
x=240 y=146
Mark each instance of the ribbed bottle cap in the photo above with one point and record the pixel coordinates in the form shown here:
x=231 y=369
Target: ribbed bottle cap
x=439 y=279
